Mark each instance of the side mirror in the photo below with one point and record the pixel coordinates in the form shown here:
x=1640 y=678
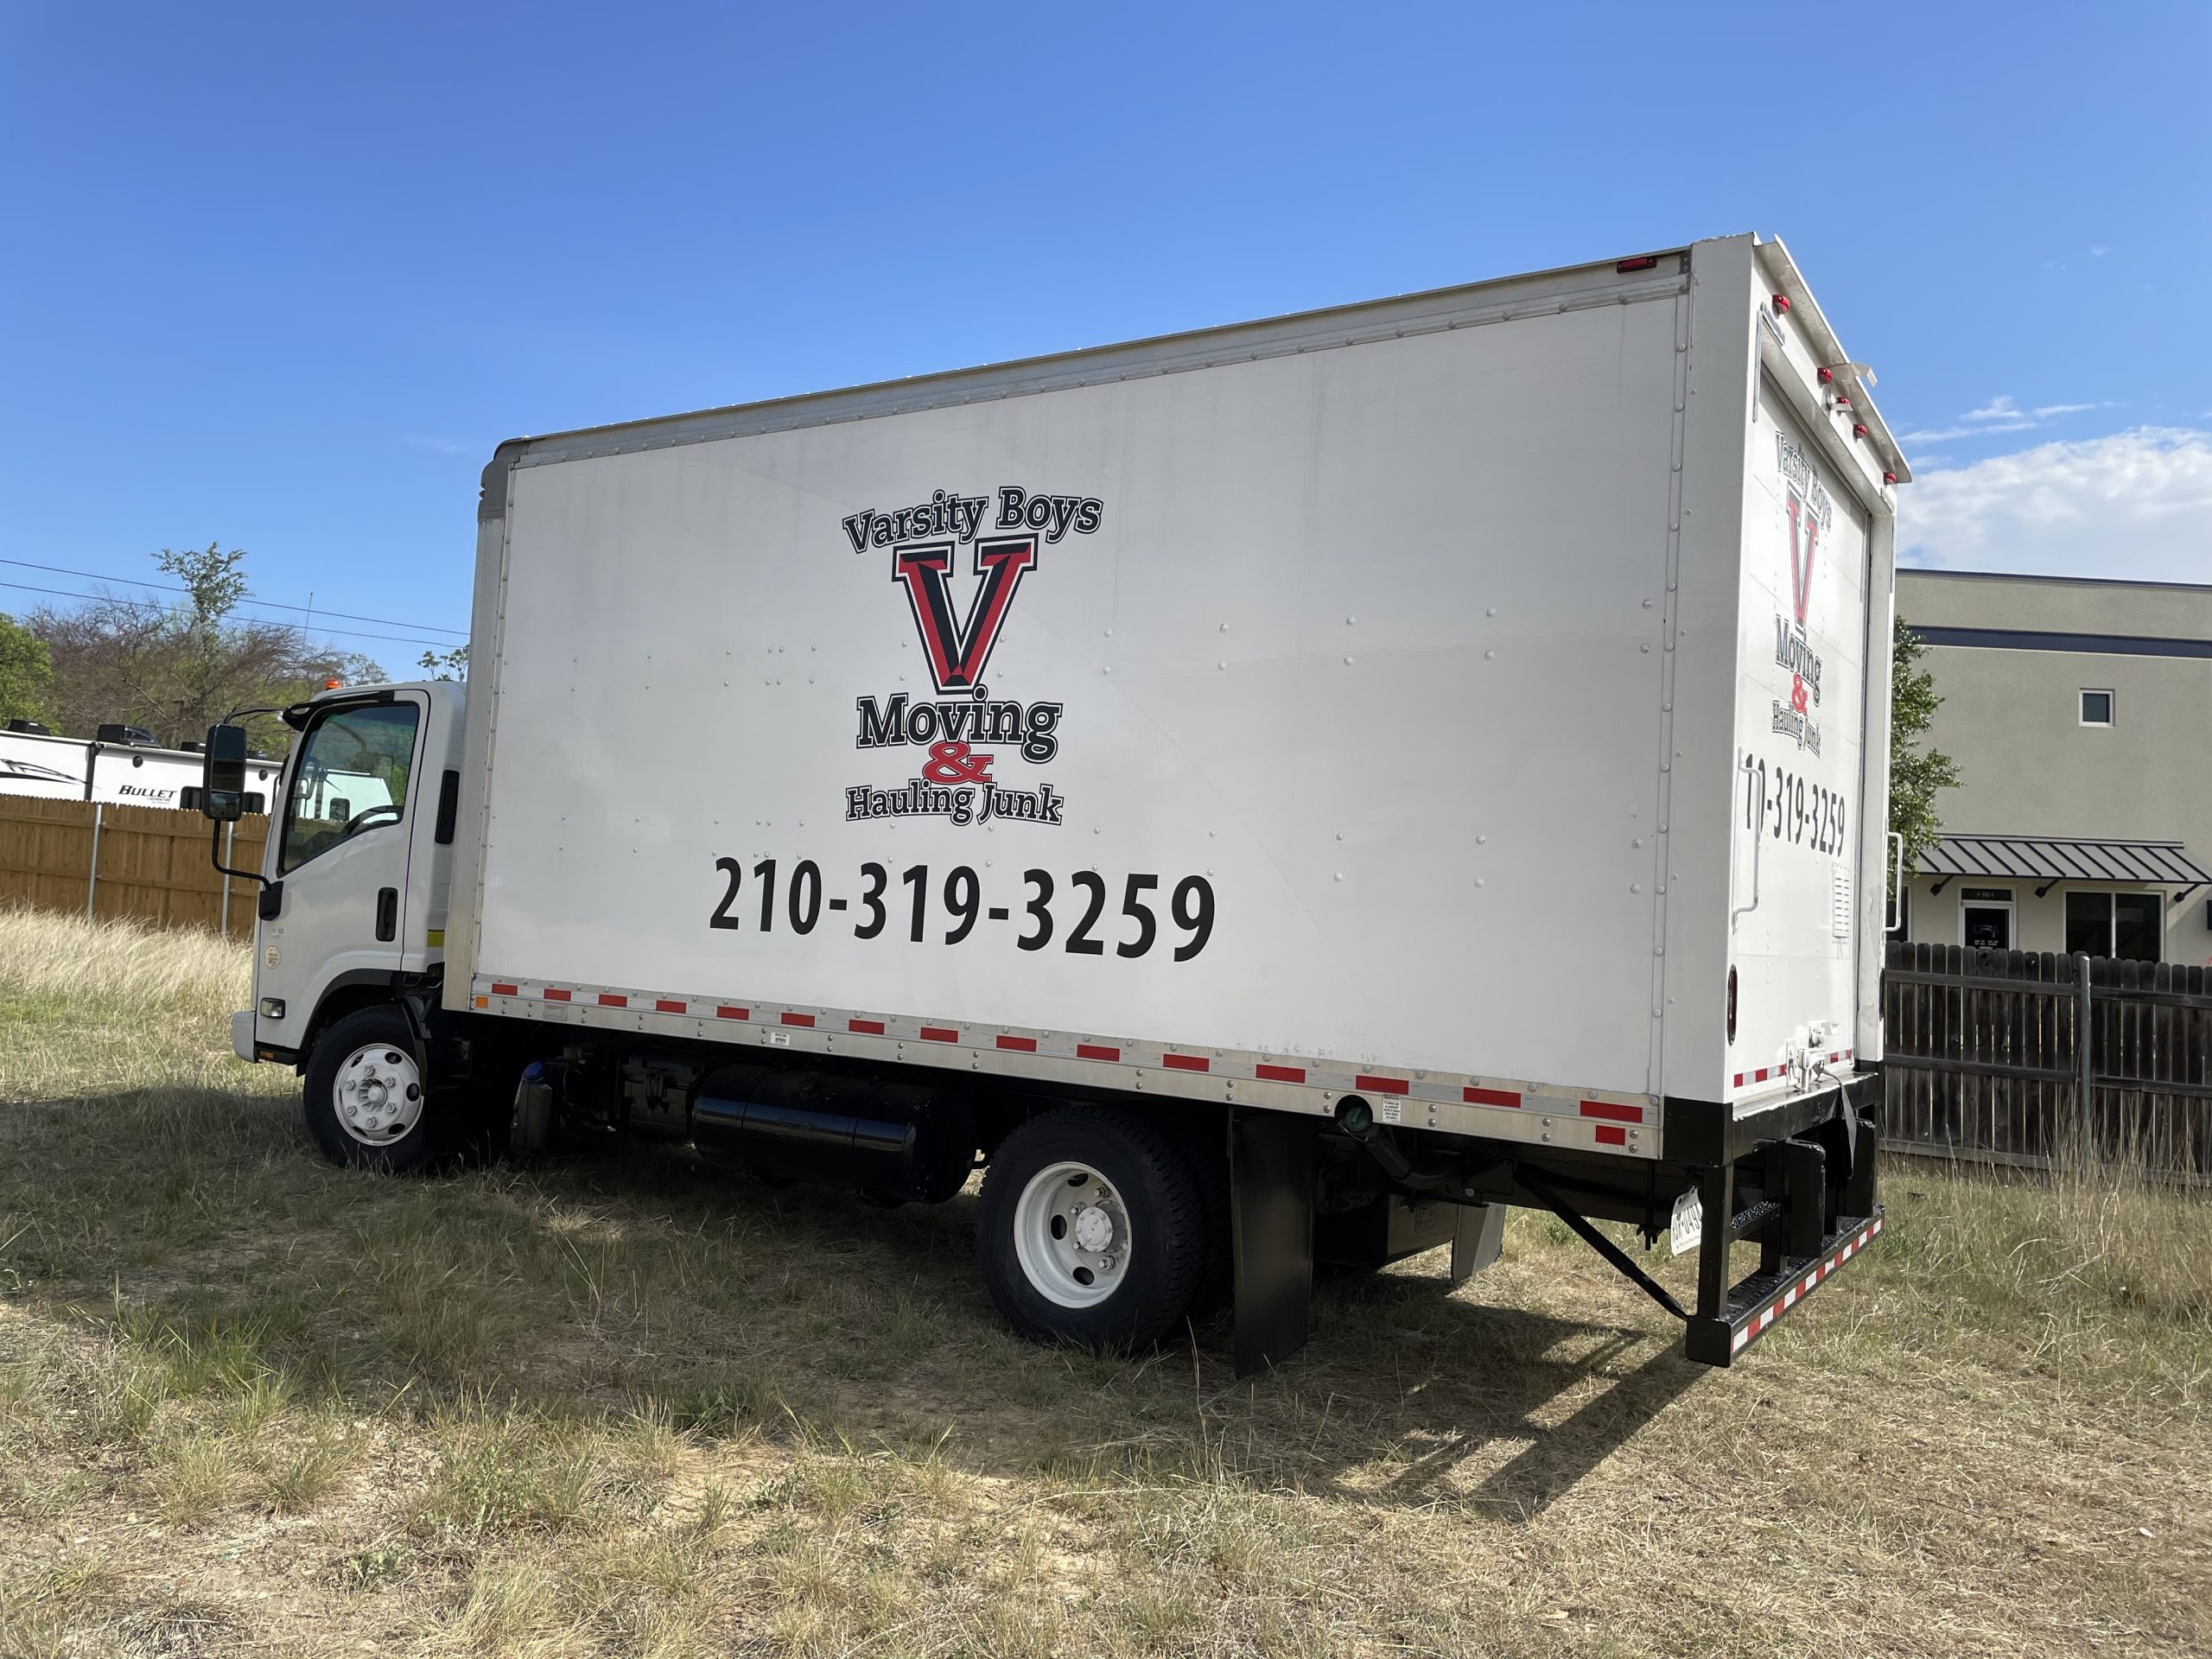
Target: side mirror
x=222 y=775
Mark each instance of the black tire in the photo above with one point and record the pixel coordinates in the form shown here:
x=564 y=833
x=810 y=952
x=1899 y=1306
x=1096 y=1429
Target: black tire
x=1155 y=1192
x=381 y=1038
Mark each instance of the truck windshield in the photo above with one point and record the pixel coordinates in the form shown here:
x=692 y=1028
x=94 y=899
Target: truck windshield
x=351 y=776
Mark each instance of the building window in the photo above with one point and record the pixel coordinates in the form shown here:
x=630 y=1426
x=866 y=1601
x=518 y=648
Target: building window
x=2124 y=924
x=2135 y=929
x=2096 y=708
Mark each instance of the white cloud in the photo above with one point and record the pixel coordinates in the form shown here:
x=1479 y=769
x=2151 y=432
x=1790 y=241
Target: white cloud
x=2137 y=503
x=1944 y=434
x=1999 y=414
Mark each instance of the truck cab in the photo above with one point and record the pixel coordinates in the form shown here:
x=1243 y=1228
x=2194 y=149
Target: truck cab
x=355 y=878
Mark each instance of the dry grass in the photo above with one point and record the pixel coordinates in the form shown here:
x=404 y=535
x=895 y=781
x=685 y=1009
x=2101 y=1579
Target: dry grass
x=253 y=1404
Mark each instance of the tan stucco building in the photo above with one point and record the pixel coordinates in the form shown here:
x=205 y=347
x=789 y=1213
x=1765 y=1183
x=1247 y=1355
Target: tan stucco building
x=2080 y=713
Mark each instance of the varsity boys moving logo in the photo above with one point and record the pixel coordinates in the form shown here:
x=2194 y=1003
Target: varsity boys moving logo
x=925 y=543
x=959 y=654
x=1811 y=513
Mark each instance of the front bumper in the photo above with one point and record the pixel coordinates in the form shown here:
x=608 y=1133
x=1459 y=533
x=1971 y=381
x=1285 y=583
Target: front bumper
x=242 y=1035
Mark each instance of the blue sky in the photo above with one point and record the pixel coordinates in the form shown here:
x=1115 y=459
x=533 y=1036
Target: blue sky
x=283 y=276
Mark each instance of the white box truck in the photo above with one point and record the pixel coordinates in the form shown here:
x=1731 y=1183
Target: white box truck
x=1286 y=792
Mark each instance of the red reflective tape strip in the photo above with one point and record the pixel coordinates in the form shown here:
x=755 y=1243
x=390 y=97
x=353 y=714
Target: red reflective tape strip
x=1095 y=1051
x=939 y=1034
x=1611 y=1135
x=865 y=1027
x=1019 y=1045
x=506 y=990
x=1490 y=1096
x=1376 y=1085
x=553 y=994
x=733 y=1013
x=1618 y=1114
x=1833 y=1058
x=1185 y=1062
x=1739 y=1080
x=668 y=1005
x=610 y=1000
x=790 y=1019
x=1759 y=1076
x=1279 y=1073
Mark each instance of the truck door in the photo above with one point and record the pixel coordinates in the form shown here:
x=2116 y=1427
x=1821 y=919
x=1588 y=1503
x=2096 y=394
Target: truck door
x=1793 y=943
x=342 y=840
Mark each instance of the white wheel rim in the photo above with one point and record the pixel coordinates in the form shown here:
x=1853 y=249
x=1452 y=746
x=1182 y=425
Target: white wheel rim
x=378 y=1094
x=1071 y=1234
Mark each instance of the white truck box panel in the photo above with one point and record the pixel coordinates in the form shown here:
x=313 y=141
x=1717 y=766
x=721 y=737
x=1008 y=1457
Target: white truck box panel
x=1360 y=636
x=1800 y=712
x=1376 y=638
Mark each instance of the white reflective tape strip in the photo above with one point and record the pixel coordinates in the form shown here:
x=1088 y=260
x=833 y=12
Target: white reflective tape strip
x=1457 y=1103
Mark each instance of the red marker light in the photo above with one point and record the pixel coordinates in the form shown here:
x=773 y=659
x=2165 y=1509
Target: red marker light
x=1842 y=401
x=1858 y=431
x=1781 y=303
x=1889 y=478
x=1650 y=262
x=333 y=685
x=1826 y=376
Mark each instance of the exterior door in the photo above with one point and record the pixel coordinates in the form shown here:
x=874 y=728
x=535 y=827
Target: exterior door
x=1986 y=918
x=340 y=860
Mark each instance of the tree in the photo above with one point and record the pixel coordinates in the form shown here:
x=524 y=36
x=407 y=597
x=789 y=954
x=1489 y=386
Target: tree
x=1915 y=775
x=26 y=673
x=445 y=664
x=176 y=668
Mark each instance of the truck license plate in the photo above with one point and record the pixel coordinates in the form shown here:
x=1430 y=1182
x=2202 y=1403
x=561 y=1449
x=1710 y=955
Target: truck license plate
x=1688 y=1225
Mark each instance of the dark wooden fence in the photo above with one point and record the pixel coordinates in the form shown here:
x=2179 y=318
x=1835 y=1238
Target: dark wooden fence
x=1984 y=1056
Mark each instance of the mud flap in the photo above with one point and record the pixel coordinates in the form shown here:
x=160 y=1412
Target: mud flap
x=1480 y=1238
x=1271 y=1215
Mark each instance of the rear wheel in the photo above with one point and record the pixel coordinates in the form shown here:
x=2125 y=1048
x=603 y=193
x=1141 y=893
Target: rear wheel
x=1091 y=1229
x=368 y=1102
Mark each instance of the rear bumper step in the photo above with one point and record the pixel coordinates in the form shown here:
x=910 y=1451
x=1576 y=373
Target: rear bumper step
x=1756 y=1303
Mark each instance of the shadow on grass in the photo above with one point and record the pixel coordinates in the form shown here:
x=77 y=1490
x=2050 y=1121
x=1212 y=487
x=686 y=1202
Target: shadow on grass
x=627 y=1279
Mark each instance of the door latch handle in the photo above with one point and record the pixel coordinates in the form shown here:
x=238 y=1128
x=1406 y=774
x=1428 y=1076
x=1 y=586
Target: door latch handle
x=387 y=914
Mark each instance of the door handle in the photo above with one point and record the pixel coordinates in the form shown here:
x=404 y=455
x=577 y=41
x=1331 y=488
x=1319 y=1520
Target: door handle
x=387 y=914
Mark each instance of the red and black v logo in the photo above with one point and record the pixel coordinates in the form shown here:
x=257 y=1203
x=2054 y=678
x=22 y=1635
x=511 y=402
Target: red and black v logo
x=1804 y=537
x=958 y=653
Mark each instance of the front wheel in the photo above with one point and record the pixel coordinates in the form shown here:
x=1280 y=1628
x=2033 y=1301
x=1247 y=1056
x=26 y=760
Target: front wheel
x=1091 y=1229
x=368 y=1103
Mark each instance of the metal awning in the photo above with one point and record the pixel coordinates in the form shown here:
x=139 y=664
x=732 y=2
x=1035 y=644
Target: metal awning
x=2050 y=859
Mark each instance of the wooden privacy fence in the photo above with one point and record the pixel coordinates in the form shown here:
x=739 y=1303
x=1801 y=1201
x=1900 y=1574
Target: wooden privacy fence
x=106 y=862
x=1983 y=1055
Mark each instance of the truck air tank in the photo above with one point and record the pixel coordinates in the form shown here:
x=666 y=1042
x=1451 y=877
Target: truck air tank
x=891 y=1143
